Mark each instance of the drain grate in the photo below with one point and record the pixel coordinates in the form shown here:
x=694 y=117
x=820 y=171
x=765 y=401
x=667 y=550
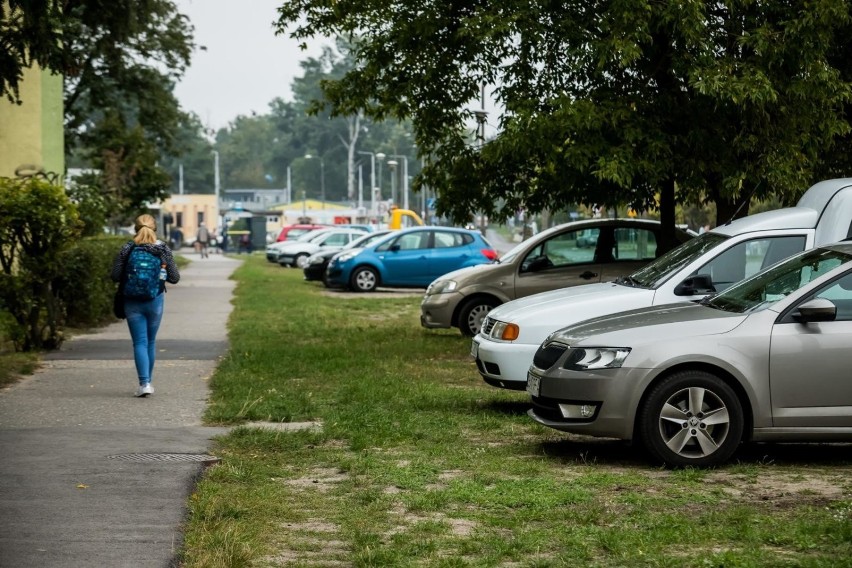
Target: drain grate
x=165 y=458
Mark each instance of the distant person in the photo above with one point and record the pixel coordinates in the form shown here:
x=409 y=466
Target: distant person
x=223 y=240
x=245 y=243
x=142 y=267
x=175 y=238
x=202 y=240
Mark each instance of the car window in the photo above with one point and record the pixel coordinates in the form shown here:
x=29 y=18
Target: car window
x=564 y=249
x=336 y=239
x=408 y=241
x=292 y=234
x=748 y=258
x=449 y=240
x=773 y=284
x=633 y=243
x=655 y=273
x=840 y=293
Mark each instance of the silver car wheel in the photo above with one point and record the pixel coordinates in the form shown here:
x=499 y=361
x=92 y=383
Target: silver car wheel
x=694 y=422
x=364 y=279
x=691 y=418
x=472 y=314
x=301 y=261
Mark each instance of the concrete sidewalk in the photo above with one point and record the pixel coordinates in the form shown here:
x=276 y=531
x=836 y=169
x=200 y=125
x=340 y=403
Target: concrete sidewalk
x=91 y=475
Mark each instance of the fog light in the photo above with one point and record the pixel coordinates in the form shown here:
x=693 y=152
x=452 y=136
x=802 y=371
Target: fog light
x=578 y=411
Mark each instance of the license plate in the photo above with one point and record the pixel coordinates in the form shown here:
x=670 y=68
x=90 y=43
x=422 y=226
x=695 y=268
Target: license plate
x=474 y=349
x=533 y=384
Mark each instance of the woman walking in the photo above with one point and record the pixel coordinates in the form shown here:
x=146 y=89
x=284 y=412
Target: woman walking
x=142 y=267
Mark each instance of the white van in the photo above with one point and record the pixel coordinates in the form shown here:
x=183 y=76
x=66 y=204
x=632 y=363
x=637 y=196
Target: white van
x=709 y=263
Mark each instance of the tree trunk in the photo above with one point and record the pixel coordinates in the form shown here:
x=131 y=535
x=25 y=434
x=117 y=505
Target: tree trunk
x=667 y=217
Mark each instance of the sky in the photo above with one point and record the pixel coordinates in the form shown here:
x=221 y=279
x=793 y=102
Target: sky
x=245 y=65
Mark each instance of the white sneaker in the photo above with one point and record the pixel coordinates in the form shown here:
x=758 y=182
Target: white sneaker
x=145 y=390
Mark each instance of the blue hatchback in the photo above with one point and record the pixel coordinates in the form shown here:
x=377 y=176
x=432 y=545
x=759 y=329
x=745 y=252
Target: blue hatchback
x=409 y=258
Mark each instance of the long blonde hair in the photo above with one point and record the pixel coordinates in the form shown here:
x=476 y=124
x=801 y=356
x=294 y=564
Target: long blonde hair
x=146 y=230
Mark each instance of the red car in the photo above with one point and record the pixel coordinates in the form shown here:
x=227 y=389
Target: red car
x=290 y=232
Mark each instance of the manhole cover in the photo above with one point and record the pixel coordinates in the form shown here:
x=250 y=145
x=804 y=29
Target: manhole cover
x=165 y=458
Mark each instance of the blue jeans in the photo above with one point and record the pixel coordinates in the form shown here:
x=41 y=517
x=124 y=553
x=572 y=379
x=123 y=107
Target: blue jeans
x=143 y=319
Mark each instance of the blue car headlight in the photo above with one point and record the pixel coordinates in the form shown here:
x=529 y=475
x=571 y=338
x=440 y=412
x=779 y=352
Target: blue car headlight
x=594 y=358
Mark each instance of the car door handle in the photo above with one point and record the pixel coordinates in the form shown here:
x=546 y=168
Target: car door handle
x=588 y=275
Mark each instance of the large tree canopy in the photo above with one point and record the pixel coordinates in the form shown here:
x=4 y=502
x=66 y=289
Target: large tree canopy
x=635 y=102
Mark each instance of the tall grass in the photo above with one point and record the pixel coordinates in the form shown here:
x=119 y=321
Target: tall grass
x=419 y=463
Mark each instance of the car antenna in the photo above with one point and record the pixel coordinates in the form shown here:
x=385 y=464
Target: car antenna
x=746 y=200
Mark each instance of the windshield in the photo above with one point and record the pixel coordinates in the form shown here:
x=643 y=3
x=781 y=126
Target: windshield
x=767 y=287
x=365 y=240
x=653 y=275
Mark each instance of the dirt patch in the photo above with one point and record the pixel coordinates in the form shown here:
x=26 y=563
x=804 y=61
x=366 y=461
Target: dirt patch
x=378 y=294
x=320 y=479
x=782 y=491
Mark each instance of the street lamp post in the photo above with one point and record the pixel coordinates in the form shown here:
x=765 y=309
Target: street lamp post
x=372 y=178
x=381 y=158
x=322 y=176
x=404 y=178
x=392 y=164
x=216 y=182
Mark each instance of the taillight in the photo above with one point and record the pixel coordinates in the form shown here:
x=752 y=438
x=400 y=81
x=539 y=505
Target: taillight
x=490 y=254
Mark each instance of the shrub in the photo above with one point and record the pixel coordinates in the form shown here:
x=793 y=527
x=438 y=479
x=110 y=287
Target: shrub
x=84 y=285
x=37 y=224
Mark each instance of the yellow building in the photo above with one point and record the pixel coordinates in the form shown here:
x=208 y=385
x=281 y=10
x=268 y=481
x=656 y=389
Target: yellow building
x=32 y=135
x=189 y=210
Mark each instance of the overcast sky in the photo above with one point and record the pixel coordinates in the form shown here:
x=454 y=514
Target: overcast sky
x=245 y=65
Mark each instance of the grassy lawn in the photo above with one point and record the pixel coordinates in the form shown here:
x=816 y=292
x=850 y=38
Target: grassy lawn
x=416 y=462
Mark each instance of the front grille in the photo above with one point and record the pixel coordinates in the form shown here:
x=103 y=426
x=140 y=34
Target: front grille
x=487 y=325
x=546 y=357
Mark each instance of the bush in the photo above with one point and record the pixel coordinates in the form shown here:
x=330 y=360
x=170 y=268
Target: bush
x=84 y=287
x=38 y=223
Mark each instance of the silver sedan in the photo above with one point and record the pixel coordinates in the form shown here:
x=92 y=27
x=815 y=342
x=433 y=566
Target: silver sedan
x=766 y=360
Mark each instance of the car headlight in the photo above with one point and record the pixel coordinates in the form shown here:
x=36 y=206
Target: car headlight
x=592 y=358
x=315 y=260
x=346 y=256
x=442 y=287
x=505 y=331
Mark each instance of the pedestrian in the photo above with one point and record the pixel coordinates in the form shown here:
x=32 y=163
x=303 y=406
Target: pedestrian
x=245 y=243
x=142 y=267
x=176 y=238
x=202 y=238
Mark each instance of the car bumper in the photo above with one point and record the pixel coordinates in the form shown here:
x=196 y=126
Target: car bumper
x=334 y=278
x=314 y=271
x=503 y=365
x=436 y=310
x=272 y=256
x=286 y=259
x=611 y=397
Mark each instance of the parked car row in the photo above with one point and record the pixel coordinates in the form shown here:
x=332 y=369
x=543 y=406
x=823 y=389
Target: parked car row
x=737 y=334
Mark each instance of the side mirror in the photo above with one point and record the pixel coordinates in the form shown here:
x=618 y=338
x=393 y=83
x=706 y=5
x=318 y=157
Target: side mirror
x=816 y=309
x=394 y=248
x=698 y=284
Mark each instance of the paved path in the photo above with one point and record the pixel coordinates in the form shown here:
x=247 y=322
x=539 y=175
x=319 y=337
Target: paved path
x=91 y=476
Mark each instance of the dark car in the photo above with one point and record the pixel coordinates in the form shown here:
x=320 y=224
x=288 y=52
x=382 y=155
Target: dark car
x=317 y=262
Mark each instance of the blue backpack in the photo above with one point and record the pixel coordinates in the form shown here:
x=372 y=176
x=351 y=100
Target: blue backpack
x=143 y=275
